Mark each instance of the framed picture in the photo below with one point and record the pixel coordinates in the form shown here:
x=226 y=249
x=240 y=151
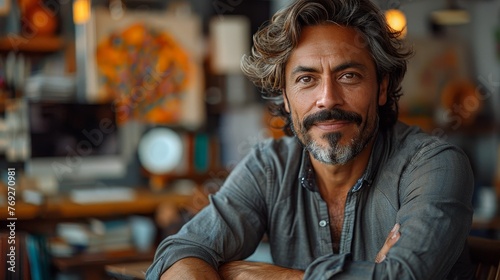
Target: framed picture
x=437 y=67
x=149 y=64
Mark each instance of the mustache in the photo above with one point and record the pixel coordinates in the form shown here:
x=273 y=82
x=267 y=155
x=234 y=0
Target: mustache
x=334 y=114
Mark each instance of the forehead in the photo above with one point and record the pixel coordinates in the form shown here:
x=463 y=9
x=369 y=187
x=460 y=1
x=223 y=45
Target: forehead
x=331 y=42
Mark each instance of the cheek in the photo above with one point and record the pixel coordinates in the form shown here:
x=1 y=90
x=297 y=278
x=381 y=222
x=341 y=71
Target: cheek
x=364 y=106
x=294 y=106
x=295 y=117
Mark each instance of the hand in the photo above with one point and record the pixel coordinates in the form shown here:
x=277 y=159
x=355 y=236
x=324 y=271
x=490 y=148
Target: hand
x=391 y=239
x=244 y=270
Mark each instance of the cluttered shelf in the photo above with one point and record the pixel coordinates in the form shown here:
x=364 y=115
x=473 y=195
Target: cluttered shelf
x=144 y=202
x=62 y=235
x=34 y=44
x=22 y=210
x=61 y=206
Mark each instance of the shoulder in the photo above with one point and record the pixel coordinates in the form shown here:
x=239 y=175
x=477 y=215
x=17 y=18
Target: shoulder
x=269 y=163
x=414 y=144
x=415 y=163
x=417 y=155
x=409 y=152
x=271 y=156
x=282 y=149
x=278 y=160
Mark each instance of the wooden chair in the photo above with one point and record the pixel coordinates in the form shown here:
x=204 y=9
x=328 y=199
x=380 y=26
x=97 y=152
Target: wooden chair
x=485 y=254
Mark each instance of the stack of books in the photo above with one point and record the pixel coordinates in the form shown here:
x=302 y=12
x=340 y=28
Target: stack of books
x=92 y=237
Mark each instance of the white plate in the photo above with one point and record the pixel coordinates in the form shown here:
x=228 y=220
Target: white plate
x=160 y=150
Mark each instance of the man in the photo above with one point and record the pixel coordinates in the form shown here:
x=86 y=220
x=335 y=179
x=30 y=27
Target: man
x=328 y=197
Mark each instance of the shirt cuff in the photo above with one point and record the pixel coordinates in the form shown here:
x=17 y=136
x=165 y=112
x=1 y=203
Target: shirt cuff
x=167 y=259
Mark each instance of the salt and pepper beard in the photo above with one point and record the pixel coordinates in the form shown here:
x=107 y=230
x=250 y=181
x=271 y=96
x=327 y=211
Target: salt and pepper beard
x=335 y=153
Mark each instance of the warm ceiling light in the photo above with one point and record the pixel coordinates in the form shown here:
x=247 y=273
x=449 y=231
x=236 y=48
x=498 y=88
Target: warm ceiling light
x=81 y=11
x=396 y=20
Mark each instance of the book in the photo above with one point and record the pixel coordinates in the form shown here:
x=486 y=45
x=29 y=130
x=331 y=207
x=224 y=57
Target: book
x=92 y=237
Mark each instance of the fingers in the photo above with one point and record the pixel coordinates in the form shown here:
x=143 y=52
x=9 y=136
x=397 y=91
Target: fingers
x=391 y=239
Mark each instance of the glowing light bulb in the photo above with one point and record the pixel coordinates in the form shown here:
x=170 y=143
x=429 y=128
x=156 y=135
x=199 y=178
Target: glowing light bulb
x=81 y=11
x=396 y=20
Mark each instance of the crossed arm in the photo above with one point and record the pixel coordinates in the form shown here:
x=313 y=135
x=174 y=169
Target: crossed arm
x=427 y=200
x=194 y=268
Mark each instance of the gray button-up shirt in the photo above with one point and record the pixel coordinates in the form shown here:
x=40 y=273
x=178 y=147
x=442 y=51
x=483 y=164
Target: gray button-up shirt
x=419 y=181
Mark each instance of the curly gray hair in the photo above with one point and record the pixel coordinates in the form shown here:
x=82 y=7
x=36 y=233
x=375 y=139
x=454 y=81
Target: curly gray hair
x=274 y=42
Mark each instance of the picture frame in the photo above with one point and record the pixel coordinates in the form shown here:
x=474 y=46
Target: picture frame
x=435 y=65
x=159 y=82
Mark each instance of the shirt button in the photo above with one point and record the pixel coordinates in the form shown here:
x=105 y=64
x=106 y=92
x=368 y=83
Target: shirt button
x=322 y=223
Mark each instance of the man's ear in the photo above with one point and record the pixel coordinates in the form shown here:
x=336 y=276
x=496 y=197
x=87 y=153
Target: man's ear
x=285 y=100
x=382 y=91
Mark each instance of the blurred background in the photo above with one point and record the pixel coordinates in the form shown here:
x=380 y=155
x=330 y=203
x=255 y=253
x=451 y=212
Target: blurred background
x=119 y=118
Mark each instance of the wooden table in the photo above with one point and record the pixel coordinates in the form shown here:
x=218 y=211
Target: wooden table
x=128 y=271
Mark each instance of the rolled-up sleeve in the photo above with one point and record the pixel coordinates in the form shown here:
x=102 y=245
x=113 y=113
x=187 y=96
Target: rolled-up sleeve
x=229 y=228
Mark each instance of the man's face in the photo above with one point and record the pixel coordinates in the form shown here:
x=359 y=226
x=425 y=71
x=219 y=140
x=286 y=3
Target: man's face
x=332 y=92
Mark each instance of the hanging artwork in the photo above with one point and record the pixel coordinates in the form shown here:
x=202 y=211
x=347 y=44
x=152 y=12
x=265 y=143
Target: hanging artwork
x=438 y=81
x=150 y=67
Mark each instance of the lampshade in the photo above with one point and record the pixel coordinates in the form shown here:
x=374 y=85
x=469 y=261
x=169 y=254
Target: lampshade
x=396 y=20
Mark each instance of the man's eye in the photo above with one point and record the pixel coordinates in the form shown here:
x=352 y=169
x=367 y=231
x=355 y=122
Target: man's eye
x=349 y=75
x=305 y=79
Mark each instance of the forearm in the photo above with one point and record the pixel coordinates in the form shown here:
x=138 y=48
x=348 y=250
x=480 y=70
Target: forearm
x=243 y=270
x=190 y=268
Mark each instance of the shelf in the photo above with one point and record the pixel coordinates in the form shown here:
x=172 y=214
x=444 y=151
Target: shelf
x=35 y=44
x=145 y=202
x=22 y=211
x=61 y=207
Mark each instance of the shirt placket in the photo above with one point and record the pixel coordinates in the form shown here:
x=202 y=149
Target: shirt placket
x=324 y=238
x=324 y=233
x=348 y=225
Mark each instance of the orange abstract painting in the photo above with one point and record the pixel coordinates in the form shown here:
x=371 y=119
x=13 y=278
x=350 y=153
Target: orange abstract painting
x=146 y=72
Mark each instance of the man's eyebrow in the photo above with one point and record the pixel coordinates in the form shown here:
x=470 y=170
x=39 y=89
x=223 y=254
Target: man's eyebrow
x=348 y=65
x=302 y=69
x=343 y=66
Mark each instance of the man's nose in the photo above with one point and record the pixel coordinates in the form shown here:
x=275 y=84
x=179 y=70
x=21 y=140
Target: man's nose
x=329 y=95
